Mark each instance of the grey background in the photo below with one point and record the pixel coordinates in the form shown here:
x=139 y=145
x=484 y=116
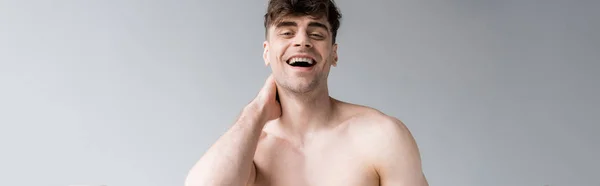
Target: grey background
x=132 y=92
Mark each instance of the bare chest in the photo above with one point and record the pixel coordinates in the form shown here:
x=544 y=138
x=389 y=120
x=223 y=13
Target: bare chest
x=322 y=164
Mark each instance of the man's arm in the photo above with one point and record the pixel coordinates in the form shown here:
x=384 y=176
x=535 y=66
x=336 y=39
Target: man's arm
x=230 y=160
x=396 y=155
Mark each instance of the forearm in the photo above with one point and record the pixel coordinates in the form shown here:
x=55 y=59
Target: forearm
x=229 y=160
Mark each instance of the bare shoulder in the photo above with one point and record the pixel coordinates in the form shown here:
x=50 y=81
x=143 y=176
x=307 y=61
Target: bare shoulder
x=368 y=122
x=388 y=145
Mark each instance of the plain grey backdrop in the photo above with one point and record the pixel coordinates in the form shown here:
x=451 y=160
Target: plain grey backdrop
x=132 y=92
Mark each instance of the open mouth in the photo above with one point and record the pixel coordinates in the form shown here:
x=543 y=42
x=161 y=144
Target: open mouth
x=301 y=62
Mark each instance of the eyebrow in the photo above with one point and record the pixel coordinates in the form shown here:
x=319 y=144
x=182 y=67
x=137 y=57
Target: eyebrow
x=317 y=24
x=286 y=23
x=291 y=23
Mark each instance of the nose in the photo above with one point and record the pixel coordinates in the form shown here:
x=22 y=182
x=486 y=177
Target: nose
x=302 y=40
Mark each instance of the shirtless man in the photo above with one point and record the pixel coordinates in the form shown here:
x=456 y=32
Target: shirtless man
x=293 y=133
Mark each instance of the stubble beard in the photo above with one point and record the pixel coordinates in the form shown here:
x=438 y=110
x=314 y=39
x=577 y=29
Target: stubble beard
x=299 y=86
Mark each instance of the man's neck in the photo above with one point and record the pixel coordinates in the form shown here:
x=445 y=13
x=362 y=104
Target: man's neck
x=306 y=113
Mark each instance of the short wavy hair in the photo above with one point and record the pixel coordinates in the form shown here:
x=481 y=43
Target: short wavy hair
x=278 y=9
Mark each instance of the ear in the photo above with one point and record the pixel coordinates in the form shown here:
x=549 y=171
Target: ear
x=266 y=53
x=335 y=55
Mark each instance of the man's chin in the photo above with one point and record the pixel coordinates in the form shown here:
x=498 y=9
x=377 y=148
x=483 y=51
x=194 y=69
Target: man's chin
x=300 y=87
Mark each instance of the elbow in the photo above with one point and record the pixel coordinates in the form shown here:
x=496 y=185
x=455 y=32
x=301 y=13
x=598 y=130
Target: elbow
x=195 y=178
x=202 y=180
x=192 y=181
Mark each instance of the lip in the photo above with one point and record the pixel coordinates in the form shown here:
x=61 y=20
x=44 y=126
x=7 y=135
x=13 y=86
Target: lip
x=302 y=69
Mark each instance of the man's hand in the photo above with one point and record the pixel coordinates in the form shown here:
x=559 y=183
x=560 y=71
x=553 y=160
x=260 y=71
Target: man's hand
x=230 y=160
x=266 y=102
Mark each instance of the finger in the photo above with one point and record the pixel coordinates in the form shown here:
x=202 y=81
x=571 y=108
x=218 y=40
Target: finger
x=269 y=82
x=271 y=87
x=270 y=78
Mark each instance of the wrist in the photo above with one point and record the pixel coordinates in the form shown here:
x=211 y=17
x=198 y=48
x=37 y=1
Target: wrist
x=254 y=112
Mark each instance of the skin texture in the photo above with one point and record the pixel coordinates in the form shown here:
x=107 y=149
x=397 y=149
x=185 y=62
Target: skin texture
x=308 y=137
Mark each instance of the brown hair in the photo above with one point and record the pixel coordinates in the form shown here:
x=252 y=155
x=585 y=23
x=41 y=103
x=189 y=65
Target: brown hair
x=316 y=8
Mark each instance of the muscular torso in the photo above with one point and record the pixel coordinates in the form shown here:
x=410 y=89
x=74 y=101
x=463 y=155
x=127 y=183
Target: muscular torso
x=330 y=157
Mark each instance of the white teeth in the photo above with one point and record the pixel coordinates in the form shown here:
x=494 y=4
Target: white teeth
x=296 y=59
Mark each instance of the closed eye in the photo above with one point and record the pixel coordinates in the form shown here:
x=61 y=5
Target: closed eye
x=286 y=34
x=317 y=36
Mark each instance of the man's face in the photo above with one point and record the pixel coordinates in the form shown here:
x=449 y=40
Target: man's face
x=300 y=52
